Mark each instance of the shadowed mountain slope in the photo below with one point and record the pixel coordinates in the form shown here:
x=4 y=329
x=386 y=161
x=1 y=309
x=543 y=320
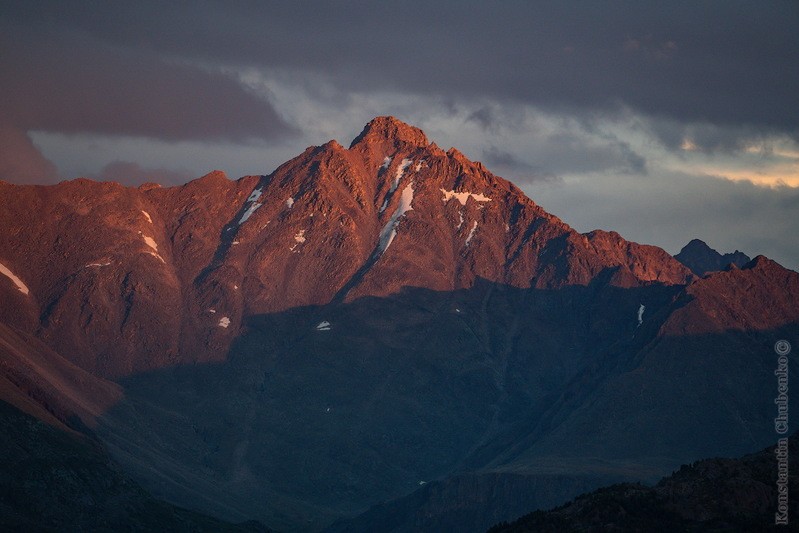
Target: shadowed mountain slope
x=386 y=330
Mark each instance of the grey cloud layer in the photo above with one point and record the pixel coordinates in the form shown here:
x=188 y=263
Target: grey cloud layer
x=71 y=84
x=726 y=63
x=673 y=209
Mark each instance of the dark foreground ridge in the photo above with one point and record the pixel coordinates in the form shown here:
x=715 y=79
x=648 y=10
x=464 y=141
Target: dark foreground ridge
x=52 y=480
x=709 y=495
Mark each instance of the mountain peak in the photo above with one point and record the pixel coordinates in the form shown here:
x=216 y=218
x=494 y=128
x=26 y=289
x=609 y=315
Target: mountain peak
x=701 y=258
x=388 y=128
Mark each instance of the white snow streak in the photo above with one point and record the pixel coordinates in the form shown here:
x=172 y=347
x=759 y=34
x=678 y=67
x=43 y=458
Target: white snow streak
x=398 y=176
x=641 y=309
x=157 y=256
x=18 y=282
x=299 y=238
x=224 y=322
x=323 y=326
x=389 y=231
x=149 y=241
x=97 y=264
x=463 y=196
x=471 y=234
x=147 y=216
x=460 y=219
x=386 y=163
x=248 y=213
x=254 y=195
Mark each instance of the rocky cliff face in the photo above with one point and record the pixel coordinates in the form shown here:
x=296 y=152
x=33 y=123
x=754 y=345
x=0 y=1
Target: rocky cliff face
x=123 y=280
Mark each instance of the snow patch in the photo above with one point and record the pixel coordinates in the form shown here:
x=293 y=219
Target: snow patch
x=385 y=204
x=398 y=176
x=460 y=219
x=97 y=264
x=254 y=195
x=471 y=234
x=147 y=216
x=418 y=166
x=149 y=241
x=18 y=282
x=323 y=326
x=299 y=238
x=224 y=322
x=389 y=231
x=248 y=213
x=290 y=203
x=157 y=256
x=463 y=196
x=641 y=310
x=386 y=163
x=212 y=311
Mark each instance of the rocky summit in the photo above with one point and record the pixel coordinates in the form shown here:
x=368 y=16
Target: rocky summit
x=386 y=330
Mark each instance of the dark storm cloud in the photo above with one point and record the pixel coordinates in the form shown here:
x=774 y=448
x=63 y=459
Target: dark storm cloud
x=70 y=84
x=21 y=161
x=726 y=63
x=510 y=166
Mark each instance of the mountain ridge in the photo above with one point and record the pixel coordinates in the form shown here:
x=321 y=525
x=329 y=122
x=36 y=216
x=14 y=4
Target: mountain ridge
x=366 y=322
x=318 y=223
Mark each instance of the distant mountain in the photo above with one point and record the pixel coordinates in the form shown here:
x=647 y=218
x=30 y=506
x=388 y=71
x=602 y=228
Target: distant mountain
x=709 y=495
x=385 y=332
x=701 y=258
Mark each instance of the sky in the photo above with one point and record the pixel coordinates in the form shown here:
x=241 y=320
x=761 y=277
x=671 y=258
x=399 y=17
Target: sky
x=664 y=121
